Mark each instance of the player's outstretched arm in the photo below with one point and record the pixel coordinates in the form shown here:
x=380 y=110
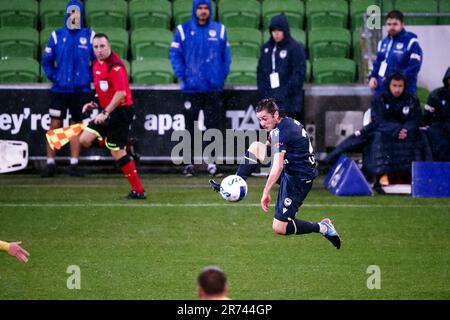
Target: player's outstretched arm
x=14 y=249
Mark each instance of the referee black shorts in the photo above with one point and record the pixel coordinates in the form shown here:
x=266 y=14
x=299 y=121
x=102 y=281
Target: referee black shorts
x=115 y=129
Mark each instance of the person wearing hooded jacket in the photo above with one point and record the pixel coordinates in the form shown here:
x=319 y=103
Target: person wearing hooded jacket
x=392 y=140
x=67 y=64
x=400 y=51
x=200 y=57
x=437 y=120
x=282 y=68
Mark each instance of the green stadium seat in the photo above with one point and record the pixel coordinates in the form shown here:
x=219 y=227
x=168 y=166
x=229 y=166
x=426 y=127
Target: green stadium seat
x=329 y=42
x=18 y=42
x=152 y=71
x=182 y=11
x=118 y=38
x=418 y=6
x=297 y=34
x=238 y=13
x=19 y=13
x=107 y=13
x=387 y=5
x=444 y=7
x=308 y=72
x=357 y=9
x=356 y=45
x=150 y=14
x=334 y=70
x=422 y=94
x=294 y=10
x=44 y=36
x=150 y=43
x=244 y=42
x=243 y=71
x=325 y=13
x=52 y=13
x=19 y=70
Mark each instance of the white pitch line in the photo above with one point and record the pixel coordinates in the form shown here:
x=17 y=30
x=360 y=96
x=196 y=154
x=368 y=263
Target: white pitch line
x=199 y=205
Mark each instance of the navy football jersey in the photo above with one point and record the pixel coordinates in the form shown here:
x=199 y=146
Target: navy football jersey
x=290 y=137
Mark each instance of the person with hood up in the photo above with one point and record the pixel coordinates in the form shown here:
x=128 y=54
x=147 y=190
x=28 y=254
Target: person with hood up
x=437 y=120
x=67 y=64
x=399 y=51
x=200 y=57
x=282 y=69
x=392 y=138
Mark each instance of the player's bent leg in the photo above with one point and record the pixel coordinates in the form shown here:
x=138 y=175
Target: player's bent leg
x=280 y=227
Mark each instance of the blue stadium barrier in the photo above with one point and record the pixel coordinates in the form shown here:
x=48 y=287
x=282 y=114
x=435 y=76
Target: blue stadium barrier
x=345 y=179
x=431 y=179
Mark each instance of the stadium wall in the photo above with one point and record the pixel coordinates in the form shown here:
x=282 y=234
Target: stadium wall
x=332 y=112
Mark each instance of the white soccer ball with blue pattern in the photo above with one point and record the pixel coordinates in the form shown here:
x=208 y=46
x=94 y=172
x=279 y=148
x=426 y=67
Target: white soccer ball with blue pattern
x=233 y=188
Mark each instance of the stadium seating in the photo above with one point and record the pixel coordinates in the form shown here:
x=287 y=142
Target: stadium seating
x=444 y=7
x=152 y=71
x=325 y=13
x=418 y=6
x=52 y=13
x=292 y=9
x=334 y=70
x=243 y=71
x=182 y=11
x=19 y=13
x=308 y=71
x=150 y=43
x=329 y=42
x=150 y=14
x=19 y=70
x=238 y=13
x=357 y=9
x=118 y=38
x=44 y=36
x=18 y=43
x=297 y=34
x=107 y=13
x=244 y=42
x=356 y=45
x=387 y=5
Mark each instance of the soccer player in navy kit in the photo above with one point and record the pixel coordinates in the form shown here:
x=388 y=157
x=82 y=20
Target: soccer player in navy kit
x=294 y=167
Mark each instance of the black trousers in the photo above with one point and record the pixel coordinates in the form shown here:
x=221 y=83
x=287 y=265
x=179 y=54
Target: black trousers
x=214 y=114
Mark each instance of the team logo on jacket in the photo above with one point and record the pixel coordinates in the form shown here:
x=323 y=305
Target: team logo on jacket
x=405 y=110
x=387 y=107
x=399 y=46
x=187 y=105
x=283 y=54
x=266 y=50
x=444 y=102
x=83 y=40
x=212 y=33
x=104 y=85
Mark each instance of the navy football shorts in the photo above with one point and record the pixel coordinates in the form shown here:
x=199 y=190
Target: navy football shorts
x=293 y=191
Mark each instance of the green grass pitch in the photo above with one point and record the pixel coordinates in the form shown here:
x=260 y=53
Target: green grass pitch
x=154 y=249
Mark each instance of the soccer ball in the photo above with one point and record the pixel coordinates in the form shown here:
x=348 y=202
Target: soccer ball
x=233 y=188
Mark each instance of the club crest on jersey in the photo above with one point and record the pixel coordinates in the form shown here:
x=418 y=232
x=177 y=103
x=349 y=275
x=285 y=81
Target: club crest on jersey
x=387 y=107
x=287 y=202
x=266 y=50
x=405 y=110
x=399 y=46
x=83 y=40
x=187 y=105
x=104 y=85
x=212 y=33
x=283 y=54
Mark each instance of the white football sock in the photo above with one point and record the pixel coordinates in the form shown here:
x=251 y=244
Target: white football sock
x=50 y=161
x=73 y=161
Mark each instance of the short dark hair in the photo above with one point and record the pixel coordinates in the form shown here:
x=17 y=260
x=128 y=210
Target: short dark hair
x=398 y=76
x=395 y=14
x=268 y=105
x=212 y=280
x=101 y=35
